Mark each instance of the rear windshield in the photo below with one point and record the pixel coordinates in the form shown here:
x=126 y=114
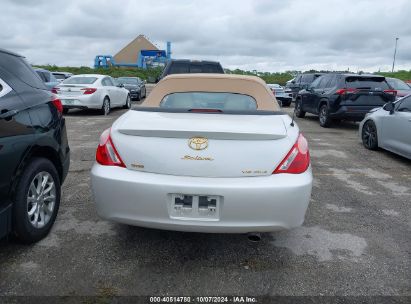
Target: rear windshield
x=184 y=67
x=127 y=80
x=370 y=83
x=44 y=76
x=59 y=76
x=397 y=84
x=209 y=100
x=80 y=80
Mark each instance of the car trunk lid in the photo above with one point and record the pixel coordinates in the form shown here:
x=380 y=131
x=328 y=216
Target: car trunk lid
x=367 y=91
x=205 y=145
x=70 y=90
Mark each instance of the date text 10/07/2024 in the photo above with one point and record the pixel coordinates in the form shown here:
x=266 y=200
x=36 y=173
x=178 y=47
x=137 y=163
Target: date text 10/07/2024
x=233 y=299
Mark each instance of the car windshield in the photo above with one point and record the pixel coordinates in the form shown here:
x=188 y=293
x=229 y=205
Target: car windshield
x=373 y=83
x=397 y=84
x=127 y=80
x=80 y=80
x=209 y=100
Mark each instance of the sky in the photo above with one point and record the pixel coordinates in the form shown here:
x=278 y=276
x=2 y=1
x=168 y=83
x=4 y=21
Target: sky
x=263 y=35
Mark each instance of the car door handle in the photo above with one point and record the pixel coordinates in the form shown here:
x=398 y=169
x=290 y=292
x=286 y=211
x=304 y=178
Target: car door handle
x=7 y=114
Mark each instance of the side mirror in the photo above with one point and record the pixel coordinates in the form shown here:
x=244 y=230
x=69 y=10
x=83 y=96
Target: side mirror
x=389 y=107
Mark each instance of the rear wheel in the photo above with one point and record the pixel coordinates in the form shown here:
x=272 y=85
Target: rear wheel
x=37 y=201
x=369 y=135
x=128 y=103
x=105 y=109
x=324 y=116
x=298 y=109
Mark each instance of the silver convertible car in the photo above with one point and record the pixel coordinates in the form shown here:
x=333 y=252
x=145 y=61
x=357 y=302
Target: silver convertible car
x=389 y=128
x=205 y=153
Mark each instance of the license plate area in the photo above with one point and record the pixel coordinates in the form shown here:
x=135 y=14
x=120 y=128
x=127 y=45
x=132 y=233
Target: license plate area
x=195 y=207
x=67 y=101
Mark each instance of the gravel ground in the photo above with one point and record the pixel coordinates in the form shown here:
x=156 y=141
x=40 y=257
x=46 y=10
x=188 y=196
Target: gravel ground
x=355 y=239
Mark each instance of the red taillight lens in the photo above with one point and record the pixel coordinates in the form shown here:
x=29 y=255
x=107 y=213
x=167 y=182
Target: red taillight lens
x=345 y=91
x=57 y=103
x=297 y=160
x=106 y=153
x=392 y=92
x=88 y=91
x=55 y=90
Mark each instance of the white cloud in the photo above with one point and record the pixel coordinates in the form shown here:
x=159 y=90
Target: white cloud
x=267 y=35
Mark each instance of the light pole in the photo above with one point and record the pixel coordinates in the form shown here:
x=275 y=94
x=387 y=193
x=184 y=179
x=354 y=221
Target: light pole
x=395 y=52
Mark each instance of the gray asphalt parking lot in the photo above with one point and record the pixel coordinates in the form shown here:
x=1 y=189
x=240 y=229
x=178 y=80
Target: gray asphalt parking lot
x=355 y=239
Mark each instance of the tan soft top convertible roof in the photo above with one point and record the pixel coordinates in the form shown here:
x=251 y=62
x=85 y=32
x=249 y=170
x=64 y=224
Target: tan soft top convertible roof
x=221 y=83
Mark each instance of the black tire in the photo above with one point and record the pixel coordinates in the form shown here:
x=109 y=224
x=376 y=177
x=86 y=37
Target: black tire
x=145 y=92
x=105 y=109
x=128 y=103
x=65 y=110
x=324 y=116
x=298 y=109
x=369 y=135
x=22 y=227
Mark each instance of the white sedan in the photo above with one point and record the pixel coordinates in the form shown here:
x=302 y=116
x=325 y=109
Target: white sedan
x=92 y=91
x=389 y=128
x=206 y=153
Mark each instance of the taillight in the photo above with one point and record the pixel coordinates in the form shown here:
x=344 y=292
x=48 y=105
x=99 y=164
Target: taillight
x=57 y=103
x=391 y=92
x=345 y=91
x=106 y=153
x=88 y=91
x=297 y=160
x=55 y=90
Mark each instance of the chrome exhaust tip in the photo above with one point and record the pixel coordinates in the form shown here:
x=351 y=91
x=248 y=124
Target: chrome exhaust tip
x=254 y=237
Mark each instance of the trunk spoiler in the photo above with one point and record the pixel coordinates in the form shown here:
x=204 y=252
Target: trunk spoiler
x=206 y=111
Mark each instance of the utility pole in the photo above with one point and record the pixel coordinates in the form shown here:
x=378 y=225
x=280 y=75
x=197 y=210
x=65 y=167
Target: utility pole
x=395 y=52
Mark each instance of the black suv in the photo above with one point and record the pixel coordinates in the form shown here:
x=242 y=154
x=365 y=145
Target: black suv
x=183 y=66
x=343 y=96
x=34 y=151
x=301 y=81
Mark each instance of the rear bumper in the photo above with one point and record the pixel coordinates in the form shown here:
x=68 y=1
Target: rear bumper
x=75 y=107
x=284 y=99
x=81 y=102
x=354 y=113
x=248 y=204
x=5 y=220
